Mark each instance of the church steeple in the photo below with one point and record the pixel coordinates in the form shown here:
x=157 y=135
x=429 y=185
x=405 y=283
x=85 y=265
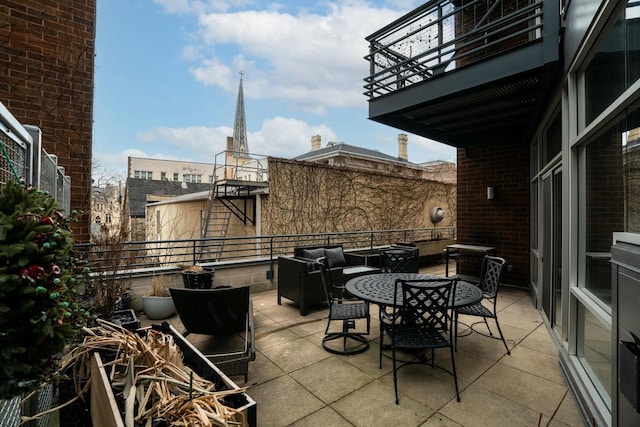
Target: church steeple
x=240 y=143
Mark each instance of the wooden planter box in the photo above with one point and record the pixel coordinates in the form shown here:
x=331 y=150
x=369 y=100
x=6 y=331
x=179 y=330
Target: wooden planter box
x=105 y=408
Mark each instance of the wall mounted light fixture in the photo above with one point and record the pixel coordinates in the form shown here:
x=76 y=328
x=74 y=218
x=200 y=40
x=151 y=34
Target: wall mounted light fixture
x=490 y=193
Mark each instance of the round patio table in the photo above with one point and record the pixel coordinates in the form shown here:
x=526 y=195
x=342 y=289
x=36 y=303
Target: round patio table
x=378 y=289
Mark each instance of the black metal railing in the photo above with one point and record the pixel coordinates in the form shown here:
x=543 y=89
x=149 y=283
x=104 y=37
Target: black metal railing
x=176 y=253
x=443 y=35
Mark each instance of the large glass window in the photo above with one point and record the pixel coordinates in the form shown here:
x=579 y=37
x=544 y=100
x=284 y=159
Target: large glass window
x=616 y=63
x=594 y=351
x=611 y=190
x=631 y=164
x=606 y=155
x=632 y=14
x=552 y=140
x=557 y=251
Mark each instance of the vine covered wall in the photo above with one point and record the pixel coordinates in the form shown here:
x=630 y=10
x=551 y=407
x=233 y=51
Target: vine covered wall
x=306 y=197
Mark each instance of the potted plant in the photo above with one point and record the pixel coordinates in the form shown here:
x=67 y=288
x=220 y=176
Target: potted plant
x=197 y=277
x=158 y=304
x=40 y=311
x=108 y=290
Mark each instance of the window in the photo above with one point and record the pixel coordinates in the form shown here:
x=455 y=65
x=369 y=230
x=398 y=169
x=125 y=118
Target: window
x=594 y=351
x=163 y=176
x=143 y=174
x=107 y=218
x=611 y=187
x=615 y=64
x=175 y=176
x=191 y=178
x=552 y=142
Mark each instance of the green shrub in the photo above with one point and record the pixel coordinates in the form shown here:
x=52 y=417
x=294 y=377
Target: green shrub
x=40 y=311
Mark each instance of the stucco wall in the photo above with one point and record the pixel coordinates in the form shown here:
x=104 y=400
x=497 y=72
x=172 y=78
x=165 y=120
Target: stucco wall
x=174 y=221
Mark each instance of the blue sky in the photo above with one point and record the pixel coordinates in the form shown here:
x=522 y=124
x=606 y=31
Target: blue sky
x=167 y=75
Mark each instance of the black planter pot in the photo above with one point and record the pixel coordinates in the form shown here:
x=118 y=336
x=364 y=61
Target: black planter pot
x=199 y=279
x=124 y=302
x=126 y=318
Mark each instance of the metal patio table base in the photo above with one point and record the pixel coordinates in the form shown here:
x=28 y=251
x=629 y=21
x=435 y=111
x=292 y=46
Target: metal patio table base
x=362 y=343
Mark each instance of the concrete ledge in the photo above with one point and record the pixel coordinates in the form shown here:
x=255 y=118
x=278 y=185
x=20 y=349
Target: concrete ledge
x=235 y=273
x=432 y=247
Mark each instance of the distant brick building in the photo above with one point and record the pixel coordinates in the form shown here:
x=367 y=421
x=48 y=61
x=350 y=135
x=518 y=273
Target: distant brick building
x=47 y=54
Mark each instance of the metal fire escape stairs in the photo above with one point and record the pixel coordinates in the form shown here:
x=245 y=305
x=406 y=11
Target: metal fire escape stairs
x=233 y=193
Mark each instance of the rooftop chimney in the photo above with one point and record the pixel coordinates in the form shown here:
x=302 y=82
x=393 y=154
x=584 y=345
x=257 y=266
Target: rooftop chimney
x=316 y=142
x=402 y=146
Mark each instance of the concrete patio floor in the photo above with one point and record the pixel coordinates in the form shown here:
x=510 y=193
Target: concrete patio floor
x=295 y=382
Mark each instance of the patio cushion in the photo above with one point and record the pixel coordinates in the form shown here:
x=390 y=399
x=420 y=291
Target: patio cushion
x=313 y=253
x=335 y=257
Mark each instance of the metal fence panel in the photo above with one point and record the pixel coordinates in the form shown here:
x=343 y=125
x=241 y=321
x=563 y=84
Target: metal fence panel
x=10 y=412
x=66 y=199
x=48 y=173
x=17 y=160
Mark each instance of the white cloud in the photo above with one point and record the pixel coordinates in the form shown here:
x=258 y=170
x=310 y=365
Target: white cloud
x=279 y=136
x=200 y=142
x=428 y=149
x=314 y=60
x=286 y=137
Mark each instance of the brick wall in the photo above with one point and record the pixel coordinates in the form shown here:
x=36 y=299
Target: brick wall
x=504 y=221
x=46 y=79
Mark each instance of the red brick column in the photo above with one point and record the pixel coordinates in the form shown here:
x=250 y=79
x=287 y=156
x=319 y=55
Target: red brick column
x=502 y=222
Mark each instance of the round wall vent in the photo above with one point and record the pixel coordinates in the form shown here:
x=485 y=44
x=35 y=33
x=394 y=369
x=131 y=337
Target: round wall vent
x=436 y=214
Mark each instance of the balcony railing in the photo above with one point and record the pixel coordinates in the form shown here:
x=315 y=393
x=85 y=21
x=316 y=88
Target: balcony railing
x=174 y=253
x=444 y=35
x=231 y=165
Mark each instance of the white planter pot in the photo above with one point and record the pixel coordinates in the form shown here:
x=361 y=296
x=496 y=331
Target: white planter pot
x=157 y=308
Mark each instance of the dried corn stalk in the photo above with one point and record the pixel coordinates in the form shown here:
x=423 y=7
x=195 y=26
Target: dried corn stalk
x=147 y=373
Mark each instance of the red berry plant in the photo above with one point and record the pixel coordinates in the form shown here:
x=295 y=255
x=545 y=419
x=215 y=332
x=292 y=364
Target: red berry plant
x=40 y=311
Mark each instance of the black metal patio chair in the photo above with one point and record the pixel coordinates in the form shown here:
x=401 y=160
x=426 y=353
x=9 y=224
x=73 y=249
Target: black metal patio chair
x=399 y=259
x=421 y=323
x=396 y=259
x=345 y=310
x=490 y=276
